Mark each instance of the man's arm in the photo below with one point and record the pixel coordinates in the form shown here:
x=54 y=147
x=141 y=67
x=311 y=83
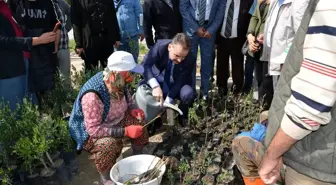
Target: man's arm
x=148 y=23
x=76 y=19
x=183 y=78
x=185 y=12
x=313 y=90
x=148 y=63
x=212 y=29
x=139 y=14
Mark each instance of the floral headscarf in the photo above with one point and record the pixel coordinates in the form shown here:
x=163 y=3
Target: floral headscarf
x=118 y=82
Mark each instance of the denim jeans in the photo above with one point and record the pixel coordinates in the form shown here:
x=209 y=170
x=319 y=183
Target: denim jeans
x=13 y=90
x=131 y=45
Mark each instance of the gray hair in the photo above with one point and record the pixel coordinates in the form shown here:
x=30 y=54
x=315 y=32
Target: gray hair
x=183 y=40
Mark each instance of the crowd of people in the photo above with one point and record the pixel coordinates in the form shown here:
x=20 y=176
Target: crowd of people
x=285 y=45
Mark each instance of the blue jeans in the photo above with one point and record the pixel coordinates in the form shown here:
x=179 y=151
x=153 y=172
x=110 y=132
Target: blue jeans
x=14 y=90
x=207 y=47
x=131 y=45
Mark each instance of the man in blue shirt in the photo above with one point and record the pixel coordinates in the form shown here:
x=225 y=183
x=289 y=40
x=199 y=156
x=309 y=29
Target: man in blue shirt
x=130 y=18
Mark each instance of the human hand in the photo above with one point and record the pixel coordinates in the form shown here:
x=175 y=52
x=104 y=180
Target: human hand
x=138 y=113
x=117 y=44
x=79 y=51
x=57 y=40
x=141 y=36
x=133 y=131
x=45 y=38
x=207 y=34
x=250 y=39
x=261 y=38
x=200 y=32
x=158 y=94
x=269 y=170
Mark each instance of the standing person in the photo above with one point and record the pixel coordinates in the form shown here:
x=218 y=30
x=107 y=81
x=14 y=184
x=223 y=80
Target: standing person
x=164 y=16
x=302 y=126
x=14 y=54
x=231 y=38
x=277 y=37
x=249 y=66
x=301 y=129
x=201 y=20
x=256 y=28
x=35 y=18
x=63 y=52
x=103 y=114
x=129 y=15
x=96 y=31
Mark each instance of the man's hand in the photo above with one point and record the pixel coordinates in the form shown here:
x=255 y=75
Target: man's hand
x=207 y=34
x=200 y=32
x=141 y=36
x=57 y=40
x=269 y=169
x=117 y=44
x=158 y=95
x=79 y=51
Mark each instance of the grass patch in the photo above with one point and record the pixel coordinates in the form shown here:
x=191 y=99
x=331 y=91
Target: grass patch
x=72 y=45
x=143 y=50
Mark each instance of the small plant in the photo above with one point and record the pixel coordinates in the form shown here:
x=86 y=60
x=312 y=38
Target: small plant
x=5 y=176
x=225 y=176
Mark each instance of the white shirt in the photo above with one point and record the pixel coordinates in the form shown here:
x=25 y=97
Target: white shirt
x=273 y=17
x=234 y=33
x=207 y=10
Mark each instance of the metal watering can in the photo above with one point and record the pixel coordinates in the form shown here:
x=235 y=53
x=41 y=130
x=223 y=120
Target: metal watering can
x=145 y=101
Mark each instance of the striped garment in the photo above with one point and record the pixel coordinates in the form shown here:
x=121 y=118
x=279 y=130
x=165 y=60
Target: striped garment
x=314 y=87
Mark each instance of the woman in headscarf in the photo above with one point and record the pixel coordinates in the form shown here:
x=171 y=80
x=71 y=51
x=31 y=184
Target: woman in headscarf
x=14 y=54
x=103 y=114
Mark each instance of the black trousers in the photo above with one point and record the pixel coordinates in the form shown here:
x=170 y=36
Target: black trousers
x=264 y=81
x=226 y=49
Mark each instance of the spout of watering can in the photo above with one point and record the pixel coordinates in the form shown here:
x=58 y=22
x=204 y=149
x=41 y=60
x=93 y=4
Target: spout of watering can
x=173 y=107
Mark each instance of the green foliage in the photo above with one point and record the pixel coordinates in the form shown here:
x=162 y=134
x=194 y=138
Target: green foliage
x=5 y=176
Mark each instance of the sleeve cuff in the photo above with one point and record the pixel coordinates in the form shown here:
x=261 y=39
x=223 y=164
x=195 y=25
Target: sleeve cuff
x=169 y=100
x=153 y=83
x=292 y=130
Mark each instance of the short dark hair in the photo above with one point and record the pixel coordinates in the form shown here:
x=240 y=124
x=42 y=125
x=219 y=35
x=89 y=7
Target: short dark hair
x=182 y=39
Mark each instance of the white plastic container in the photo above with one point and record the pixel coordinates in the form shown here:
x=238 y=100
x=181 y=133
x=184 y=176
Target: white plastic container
x=136 y=165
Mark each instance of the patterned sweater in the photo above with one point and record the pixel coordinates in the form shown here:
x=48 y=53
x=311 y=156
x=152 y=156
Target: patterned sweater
x=314 y=87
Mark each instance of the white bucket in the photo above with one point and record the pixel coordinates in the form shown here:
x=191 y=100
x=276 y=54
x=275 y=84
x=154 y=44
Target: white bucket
x=136 y=165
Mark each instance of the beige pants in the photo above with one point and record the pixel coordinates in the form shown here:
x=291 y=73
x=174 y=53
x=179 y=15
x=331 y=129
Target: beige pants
x=294 y=178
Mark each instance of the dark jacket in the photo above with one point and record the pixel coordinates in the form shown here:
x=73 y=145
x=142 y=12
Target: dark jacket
x=167 y=22
x=11 y=50
x=43 y=62
x=95 y=26
x=65 y=7
x=156 y=61
x=243 y=21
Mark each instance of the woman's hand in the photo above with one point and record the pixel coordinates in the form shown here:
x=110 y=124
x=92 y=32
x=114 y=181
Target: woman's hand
x=133 y=131
x=253 y=46
x=57 y=40
x=45 y=38
x=138 y=114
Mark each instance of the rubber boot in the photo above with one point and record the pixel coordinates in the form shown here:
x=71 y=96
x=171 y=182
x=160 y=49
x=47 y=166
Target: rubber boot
x=253 y=181
x=137 y=149
x=105 y=178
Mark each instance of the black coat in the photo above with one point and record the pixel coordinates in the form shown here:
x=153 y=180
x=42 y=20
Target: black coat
x=167 y=21
x=11 y=50
x=95 y=27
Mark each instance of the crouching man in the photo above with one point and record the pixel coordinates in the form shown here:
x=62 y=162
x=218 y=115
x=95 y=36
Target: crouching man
x=168 y=71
